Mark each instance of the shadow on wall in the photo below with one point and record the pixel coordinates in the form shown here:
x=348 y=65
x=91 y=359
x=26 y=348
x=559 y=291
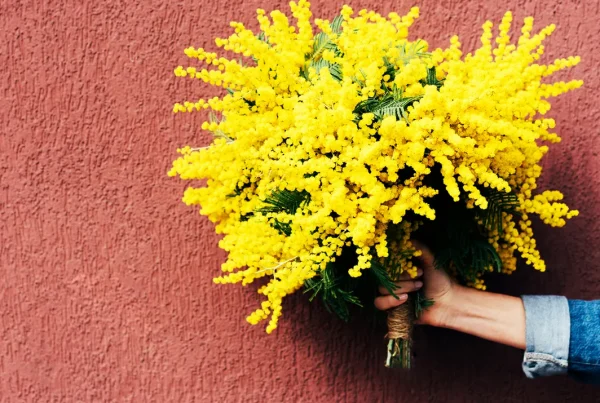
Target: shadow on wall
x=351 y=355
x=349 y=358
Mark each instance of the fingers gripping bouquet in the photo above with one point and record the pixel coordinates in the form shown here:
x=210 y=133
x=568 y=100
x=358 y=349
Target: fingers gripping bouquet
x=338 y=143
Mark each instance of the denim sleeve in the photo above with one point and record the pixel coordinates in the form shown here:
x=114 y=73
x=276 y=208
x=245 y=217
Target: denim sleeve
x=584 y=349
x=547 y=335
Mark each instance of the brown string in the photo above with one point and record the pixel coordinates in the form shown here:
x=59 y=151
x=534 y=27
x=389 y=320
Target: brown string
x=400 y=321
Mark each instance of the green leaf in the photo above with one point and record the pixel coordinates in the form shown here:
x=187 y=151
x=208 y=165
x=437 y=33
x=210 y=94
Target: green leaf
x=334 y=69
x=498 y=203
x=285 y=201
x=421 y=303
x=283 y=227
x=469 y=258
x=321 y=43
x=431 y=78
x=336 y=24
x=395 y=108
x=262 y=37
x=239 y=189
x=382 y=277
x=333 y=290
x=411 y=51
x=390 y=68
x=408 y=52
x=213 y=118
x=462 y=244
x=387 y=106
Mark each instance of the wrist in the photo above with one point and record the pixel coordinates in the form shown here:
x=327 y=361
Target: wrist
x=454 y=307
x=495 y=317
x=447 y=307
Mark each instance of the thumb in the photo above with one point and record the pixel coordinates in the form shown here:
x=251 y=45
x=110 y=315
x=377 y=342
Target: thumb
x=427 y=260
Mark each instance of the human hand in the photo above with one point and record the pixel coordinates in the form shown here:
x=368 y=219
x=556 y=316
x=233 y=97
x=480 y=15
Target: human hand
x=436 y=284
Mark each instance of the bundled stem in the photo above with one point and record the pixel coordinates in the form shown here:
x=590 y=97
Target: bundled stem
x=400 y=322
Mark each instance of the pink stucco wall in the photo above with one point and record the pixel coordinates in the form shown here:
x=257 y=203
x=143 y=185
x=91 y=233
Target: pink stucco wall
x=105 y=276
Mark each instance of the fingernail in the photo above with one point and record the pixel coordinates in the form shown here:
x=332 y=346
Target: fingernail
x=402 y=297
x=419 y=272
x=418 y=284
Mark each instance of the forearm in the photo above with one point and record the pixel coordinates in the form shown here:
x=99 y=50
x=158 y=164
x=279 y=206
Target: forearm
x=495 y=317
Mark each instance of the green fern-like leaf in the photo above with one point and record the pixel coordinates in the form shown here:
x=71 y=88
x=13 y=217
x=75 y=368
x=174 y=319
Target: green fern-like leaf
x=412 y=51
x=336 y=24
x=239 y=189
x=330 y=287
x=213 y=118
x=469 y=258
x=390 y=69
x=285 y=201
x=498 y=203
x=463 y=244
x=421 y=303
x=389 y=105
x=262 y=37
x=432 y=79
x=382 y=277
x=321 y=43
x=408 y=52
x=395 y=108
x=283 y=227
x=334 y=69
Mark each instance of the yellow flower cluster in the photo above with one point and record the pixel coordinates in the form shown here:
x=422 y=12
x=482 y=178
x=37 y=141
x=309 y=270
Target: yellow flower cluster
x=289 y=122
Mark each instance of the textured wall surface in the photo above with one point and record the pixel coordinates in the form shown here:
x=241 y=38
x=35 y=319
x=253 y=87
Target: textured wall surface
x=105 y=276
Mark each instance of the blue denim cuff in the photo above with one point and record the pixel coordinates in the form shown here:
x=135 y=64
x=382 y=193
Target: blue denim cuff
x=584 y=346
x=547 y=324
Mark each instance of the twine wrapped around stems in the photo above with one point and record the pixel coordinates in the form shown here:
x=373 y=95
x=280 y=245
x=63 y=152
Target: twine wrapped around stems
x=400 y=323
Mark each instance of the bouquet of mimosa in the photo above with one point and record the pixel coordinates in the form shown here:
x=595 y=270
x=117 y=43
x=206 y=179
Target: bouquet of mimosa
x=337 y=143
